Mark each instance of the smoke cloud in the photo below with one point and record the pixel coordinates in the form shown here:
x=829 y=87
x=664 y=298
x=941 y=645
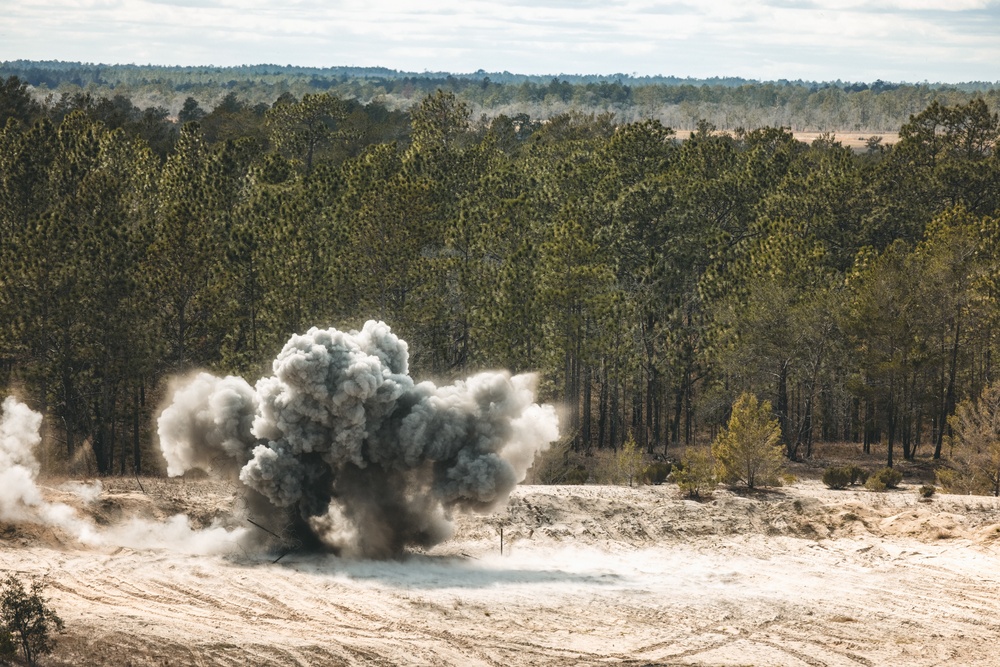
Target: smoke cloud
x=343 y=446
x=21 y=499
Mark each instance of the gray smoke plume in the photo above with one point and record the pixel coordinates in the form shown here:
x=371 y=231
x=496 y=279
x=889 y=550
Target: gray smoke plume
x=344 y=445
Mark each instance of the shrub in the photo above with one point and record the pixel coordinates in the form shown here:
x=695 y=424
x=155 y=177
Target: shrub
x=952 y=482
x=576 y=475
x=837 y=478
x=696 y=473
x=892 y=477
x=875 y=483
x=27 y=620
x=657 y=473
x=628 y=462
x=975 y=444
x=886 y=478
x=927 y=490
x=747 y=450
x=858 y=475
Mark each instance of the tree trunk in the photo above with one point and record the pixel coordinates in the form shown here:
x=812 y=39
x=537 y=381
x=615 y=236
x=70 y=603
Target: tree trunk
x=688 y=410
x=948 y=405
x=67 y=391
x=869 y=430
x=613 y=436
x=675 y=427
x=602 y=419
x=782 y=409
x=650 y=401
x=135 y=430
x=586 y=409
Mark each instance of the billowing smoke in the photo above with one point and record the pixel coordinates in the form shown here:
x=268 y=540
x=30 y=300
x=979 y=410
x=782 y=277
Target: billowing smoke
x=21 y=499
x=342 y=445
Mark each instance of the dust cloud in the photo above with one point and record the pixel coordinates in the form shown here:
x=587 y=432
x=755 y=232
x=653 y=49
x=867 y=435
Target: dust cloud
x=344 y=447
x=21 y=499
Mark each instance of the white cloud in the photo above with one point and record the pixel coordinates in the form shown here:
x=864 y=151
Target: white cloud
x=848 y=39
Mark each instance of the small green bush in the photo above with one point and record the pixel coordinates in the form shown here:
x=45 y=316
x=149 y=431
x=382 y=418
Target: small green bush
x=858 y=475
x=27 y=620
x=695 y=474
x=576 y=475
x=837 y=478
x=974 y=444
x=892 y=477
x=657 y=473
x=927 y=490
x=951 y=481
x=886 y=478
x=629 y=464
x=875 y=483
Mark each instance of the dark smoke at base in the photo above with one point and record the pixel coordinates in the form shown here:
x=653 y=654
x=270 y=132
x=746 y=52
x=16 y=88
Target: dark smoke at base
x=342 y=445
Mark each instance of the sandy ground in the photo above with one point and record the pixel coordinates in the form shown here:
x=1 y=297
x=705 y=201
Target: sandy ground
x=857 y=141
x=589 y=575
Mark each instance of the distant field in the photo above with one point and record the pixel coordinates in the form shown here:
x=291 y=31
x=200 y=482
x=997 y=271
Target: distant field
x=855 y=140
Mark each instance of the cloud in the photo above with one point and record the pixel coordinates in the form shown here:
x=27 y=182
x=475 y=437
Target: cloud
x=949 y=40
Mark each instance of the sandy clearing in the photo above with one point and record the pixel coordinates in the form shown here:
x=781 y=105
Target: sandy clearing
x=590 y=575
x=857 y=141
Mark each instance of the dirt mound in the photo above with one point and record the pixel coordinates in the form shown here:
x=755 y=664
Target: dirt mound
x=658 y=515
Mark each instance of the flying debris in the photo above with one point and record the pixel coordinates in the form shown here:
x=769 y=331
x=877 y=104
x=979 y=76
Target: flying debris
x=342 y=444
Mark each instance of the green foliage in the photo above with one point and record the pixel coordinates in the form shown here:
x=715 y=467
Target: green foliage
x=872 y=107
x=696 y=473
x=16 y=102
x=892 y=477
x=952 y=481
x=842 y=477
x=884 y=479
x=927 y=490
x=629 y=464
x=858 y=475
x=440 y=120
x=649 y=281
x=304 y=128
x=837 y=478
x=975 y=445
x=747 y=451
x=27 y=620
x=875 y=483
x=657 y=473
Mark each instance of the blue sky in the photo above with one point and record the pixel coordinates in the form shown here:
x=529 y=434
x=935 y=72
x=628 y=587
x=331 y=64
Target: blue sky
x=851 y=40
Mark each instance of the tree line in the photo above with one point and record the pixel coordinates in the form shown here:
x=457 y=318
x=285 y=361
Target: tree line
x=649 y=281
x=728 y=103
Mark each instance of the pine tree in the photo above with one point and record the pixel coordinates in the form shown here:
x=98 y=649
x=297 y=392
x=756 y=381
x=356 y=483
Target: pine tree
x=748 y=450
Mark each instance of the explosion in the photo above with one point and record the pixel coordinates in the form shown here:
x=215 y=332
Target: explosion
x=342 y=444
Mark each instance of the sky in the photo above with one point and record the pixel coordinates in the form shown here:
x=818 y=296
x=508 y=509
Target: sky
x=819 y=40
